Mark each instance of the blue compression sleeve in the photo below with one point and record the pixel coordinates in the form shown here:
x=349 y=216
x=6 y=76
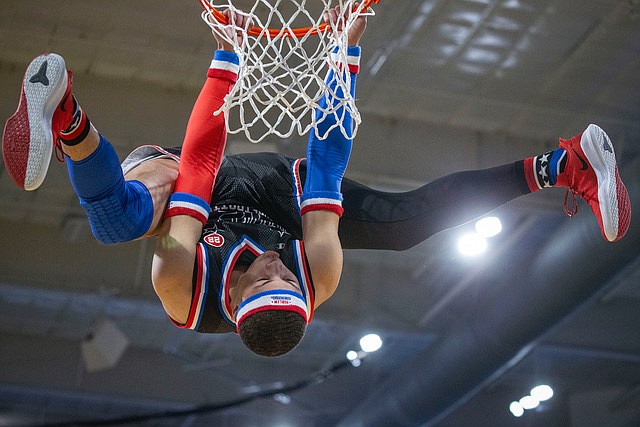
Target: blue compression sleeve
x=117 y=210
x=327 y=159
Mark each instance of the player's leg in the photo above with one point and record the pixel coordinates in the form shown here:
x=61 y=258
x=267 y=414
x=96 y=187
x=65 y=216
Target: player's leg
x=49 y=118
x=375 y=219
x=585 y=165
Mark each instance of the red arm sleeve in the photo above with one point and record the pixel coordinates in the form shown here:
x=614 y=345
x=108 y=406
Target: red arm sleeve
x=206 y=135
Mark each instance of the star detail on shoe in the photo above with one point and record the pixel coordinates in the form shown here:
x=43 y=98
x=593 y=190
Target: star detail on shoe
x=41 y=75
x=542 y=170
x=544 y=159
x=543 y=173
x=606 y=146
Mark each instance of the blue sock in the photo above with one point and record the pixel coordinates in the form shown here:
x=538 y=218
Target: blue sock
x=556 y=164
x=548 y=166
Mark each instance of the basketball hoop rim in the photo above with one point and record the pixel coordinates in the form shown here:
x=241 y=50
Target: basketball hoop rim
x=258 y=31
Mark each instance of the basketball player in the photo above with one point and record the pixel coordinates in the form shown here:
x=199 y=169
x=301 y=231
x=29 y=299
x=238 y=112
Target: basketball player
x=260 y=250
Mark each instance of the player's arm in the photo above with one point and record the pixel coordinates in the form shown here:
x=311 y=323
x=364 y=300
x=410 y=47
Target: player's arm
x=327 y=160
x=189 y=205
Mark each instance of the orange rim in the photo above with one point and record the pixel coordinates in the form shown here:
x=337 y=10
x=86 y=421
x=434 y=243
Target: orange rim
x=257 y=31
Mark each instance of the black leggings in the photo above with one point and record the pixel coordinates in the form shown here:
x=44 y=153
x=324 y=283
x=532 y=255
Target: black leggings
x=375 y=219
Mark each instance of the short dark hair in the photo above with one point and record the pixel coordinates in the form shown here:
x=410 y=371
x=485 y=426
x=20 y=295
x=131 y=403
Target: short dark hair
x=272 y=332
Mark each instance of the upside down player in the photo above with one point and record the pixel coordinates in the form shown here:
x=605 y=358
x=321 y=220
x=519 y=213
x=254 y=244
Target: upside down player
x=264 y=250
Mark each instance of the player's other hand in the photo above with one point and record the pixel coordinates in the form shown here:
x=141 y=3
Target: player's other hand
x=356 y=30
x=234 y=31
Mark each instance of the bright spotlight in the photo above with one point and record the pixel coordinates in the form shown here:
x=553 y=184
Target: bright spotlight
x=370 y=343
x=472 y=244
x=529 y=402
x=489 y=226
x=352 y=355
x=516 y=409
x=542 y=392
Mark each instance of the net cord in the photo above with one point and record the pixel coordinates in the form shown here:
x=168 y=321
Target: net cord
x=279 y=83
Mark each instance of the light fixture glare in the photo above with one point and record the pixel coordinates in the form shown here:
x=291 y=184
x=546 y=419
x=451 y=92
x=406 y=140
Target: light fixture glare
x=516 y=409
x=529 y=402
x=489 y=226
x=370 y=343
x=472 y=244
x=542 y=392
x=352 y=355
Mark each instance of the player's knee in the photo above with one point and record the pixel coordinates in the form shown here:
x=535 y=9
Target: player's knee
x=124 y=214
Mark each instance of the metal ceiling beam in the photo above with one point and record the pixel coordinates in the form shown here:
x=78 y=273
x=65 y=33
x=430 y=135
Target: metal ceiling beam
x=504 y=323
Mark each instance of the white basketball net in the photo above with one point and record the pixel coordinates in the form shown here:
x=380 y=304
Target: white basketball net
x=282 y=77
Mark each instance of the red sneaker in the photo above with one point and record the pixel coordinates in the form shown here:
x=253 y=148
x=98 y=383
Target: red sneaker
x=32 y=131
x=592 y=173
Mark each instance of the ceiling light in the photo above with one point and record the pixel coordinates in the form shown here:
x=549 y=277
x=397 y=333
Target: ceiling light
x=285 y=399
x=356 y=362
x=489 y=226
x=529 y=402
x=516 y=409
x=472 y=244
x=542 y=392
x=370 y=343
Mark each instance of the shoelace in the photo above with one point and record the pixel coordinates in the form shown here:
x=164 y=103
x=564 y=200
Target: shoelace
x=573 y=208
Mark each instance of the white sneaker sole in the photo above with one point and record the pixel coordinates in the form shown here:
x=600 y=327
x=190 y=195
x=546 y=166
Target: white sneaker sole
x=27 y=141
x=596 y=145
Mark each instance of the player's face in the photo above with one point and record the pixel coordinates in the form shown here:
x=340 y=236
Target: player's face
x=266 y=273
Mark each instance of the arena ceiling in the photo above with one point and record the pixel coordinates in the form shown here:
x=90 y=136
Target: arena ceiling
x=446 y=85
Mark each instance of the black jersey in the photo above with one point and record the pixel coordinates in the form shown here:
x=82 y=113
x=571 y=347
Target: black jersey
x=255 y=207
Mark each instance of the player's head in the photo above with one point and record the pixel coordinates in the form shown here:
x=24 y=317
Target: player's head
x=272 y=314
